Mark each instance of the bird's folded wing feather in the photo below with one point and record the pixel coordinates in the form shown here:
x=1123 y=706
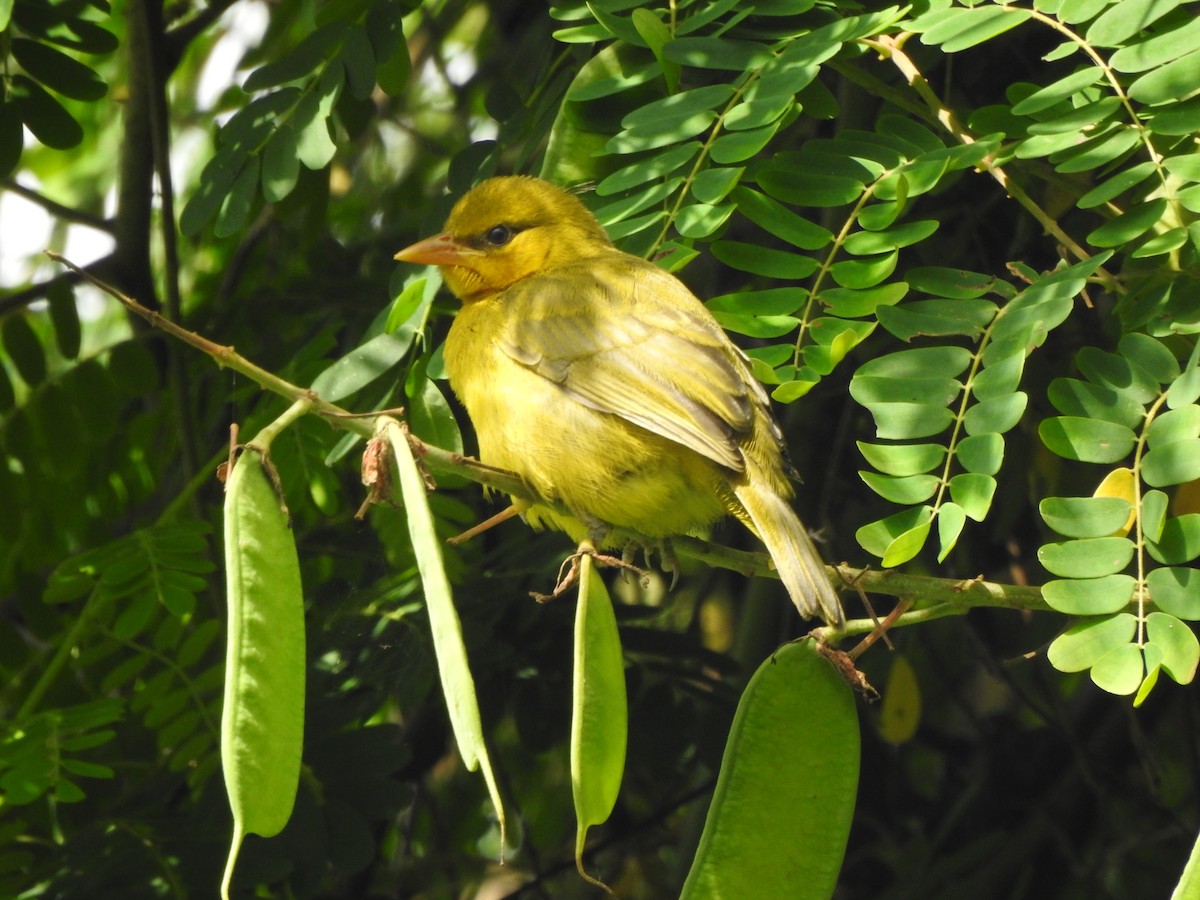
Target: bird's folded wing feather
x=625 y=338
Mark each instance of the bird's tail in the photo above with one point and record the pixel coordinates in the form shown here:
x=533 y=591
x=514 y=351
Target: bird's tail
x=796 y=559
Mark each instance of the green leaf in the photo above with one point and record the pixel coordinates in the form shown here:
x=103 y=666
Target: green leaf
x=1086 y=557
x=218 y=175
x=358 y=59
x=1150 y=355
x=833 y=339
x=897 y=538
x=1085 y=517
x=1157 y=50
x=1099 y=151
x=262 y=722
x=957 y=284
x=760 y=105
x=739 y=146
x=1176 y=591
x=362 y=365
x=1087 y=440
x=959 y=29
x=1113 y=187
x=304 y=61
x=393 y=62
x=716 y=53
x=906 y=490
x=973 y=493
x=770 y=302
x=1168 y=241
x=44 y=116
x=1082 y=399
x=599 y=715
x=1085 y=118
x=24 y=349
x=714 y=185
x=1085 y=642
x=314 y=147
x=998 y=415
x=793 y=390
x=656 y=35
x=1123 y=20
x=1180 y=648
x=635 y=225
x=12 y=136
x=936 y=318
x=1000 y=377
x=759 y=326
x=648 y=168
x=236 y=207
x=1120 y=670
x=670 y=120
x=851 y=303
x=906 y=546
x=947 y=361
x=981 y=453
x=872 y=389
x=904 y=421
x=804 y=187
x=903 y=459
x=280 y=163
x=951 y=520
x=1172 y=463
x=1179 y=542
x=431 y=419
x=1129 y=225
x=64 y=313
x=764 y=261
x=863 y=243
x=864 y=273
x=797 y=706
x=1090 y=596
x=1185 y=390
x=780 y=221
x=878 y=216
x=1169 y=81
x=1056 y=92
x=699 y=220
x=58 y=71
x=620 y=211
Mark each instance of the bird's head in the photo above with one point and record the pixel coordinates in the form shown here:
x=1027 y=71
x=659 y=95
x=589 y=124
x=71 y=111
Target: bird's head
x=505 y=229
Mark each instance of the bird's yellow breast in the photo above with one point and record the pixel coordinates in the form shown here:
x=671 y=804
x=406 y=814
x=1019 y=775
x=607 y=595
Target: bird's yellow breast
x=603 y=468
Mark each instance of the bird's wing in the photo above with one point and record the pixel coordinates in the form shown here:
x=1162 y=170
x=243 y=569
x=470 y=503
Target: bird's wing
x=625 y=338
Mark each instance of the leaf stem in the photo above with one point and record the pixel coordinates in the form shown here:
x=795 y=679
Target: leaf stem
x=891 y=47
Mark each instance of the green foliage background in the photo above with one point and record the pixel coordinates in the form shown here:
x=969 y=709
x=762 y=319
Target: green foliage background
x=959 y=242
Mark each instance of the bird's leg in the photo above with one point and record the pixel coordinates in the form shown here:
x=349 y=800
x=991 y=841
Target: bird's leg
x=504 y=515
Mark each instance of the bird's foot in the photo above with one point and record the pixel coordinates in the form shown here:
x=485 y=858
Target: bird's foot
x=571 y=566
x=667 y=560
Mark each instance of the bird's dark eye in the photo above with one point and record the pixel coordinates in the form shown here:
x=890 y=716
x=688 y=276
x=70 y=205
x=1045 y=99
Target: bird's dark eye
x=499 y=235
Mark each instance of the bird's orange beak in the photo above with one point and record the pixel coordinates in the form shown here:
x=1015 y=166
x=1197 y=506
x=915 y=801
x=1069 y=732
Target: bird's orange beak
x=439 y=250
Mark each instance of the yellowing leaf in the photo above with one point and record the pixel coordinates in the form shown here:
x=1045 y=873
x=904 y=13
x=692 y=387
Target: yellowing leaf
x=1120 y=483
x=900 y=712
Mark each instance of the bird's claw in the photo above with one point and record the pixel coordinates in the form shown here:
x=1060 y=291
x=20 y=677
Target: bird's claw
x=668 y=561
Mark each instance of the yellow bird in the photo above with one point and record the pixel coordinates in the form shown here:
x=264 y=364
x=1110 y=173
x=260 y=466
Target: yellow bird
x=606 y=385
